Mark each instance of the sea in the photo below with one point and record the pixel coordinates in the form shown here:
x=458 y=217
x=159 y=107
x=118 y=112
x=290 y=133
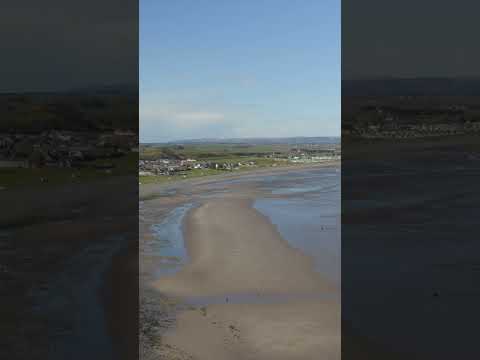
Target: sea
x=304 y=205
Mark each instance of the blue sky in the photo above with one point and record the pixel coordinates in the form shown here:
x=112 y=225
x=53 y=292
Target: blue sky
x=250 y=68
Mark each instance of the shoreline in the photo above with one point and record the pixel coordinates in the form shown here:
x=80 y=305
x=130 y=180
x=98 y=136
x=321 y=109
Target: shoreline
x=147 y=191
x=119 y=295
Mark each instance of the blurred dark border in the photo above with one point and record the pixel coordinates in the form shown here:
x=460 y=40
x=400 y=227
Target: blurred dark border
x=410 y=170
x=69 y=180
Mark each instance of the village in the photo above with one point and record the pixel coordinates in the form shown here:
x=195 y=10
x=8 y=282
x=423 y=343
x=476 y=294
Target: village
x=64 y=149
x=172 y=165
x=408 y=117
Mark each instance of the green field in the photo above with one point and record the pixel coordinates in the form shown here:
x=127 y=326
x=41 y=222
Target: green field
x=196 y=173
x=217 y=152
x=181 y=176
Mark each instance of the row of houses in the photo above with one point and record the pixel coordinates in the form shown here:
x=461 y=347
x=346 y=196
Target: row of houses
x=411 y=120
x=395 y=130
x=315 y=158
x=173 y=166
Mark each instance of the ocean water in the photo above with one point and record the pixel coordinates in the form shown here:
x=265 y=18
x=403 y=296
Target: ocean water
x=304 y=206
x=308 y=216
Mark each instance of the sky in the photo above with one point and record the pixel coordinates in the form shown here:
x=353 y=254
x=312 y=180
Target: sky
x=410 y=38
x=57 y=45
x=250 y=68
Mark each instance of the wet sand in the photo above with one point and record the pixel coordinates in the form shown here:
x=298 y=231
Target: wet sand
x=298 y=330
x=121 y=301
x=235 y=251
x=149 y=191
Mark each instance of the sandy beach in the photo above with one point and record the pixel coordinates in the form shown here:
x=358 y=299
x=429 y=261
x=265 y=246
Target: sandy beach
x=236 y=250
x=246 y=293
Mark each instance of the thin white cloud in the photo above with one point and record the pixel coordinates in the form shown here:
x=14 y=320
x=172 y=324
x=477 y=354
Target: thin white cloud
x=198 y=118
x=178 y=116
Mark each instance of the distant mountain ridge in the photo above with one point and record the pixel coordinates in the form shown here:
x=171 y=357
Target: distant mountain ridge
x=113 y=89
x=94 y=90
x=412 y=87
x=260 y=141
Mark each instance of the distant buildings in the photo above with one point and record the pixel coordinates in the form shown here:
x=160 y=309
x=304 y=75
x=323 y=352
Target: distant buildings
x=62 y=148
x=405 y=117
x=173 y=166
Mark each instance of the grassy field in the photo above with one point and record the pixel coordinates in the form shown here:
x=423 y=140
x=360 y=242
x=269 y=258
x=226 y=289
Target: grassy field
x=217 y=152
x=180 y=176
x=195 y=173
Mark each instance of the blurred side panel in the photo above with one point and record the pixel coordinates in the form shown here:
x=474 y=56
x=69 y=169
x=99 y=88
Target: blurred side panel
x=410 y=169
x=69 y=180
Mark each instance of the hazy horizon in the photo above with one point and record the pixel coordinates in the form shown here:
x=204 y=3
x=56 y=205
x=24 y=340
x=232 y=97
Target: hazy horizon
x=249 y=69
x=219 y=139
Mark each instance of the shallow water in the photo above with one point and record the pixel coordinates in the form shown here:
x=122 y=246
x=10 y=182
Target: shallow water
x=309 y=218
x=76 y=293
x=168 y=241
x=305 y=207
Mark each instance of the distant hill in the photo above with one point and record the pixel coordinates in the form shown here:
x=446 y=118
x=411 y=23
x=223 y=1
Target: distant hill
x=412 y=87
x=96 y=109
x=94 y=90
x=115 y=89
x=260 y=141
